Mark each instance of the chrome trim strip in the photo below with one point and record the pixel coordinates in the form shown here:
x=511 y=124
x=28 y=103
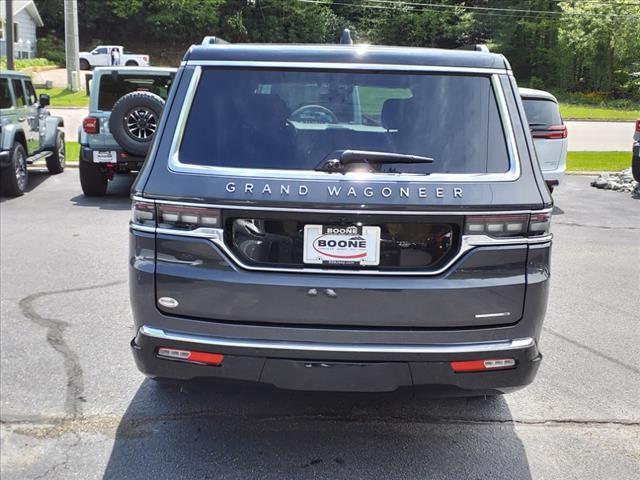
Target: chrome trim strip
x=343 y=66
x=391 y=211
x=492 y=315
x=142 y=228
x=445 y=348
x=216 y=236
x=175 y=165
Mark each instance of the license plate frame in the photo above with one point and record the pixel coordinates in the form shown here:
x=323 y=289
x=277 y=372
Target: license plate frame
x=105 y=156
x=350 y=245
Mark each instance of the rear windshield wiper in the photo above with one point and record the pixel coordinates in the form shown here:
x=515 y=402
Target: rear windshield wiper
x=342 y=158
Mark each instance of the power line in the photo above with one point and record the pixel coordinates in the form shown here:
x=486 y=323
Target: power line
x=434 y=7
x=502 y=9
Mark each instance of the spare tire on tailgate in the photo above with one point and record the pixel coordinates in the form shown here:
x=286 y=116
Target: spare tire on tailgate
x=134 y=121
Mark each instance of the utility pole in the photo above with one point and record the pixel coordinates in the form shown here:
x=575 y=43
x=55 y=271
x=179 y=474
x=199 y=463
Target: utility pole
x=9 y=29
x=71 y=44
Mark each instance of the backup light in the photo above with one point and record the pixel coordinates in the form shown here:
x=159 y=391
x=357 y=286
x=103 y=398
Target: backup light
x=483 y=365
x=190 y=356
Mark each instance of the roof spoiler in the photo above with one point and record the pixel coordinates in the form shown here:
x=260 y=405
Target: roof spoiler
x=478 y=47
x=211 y=40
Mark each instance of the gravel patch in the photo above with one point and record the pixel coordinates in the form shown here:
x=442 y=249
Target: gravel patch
x=620 y=181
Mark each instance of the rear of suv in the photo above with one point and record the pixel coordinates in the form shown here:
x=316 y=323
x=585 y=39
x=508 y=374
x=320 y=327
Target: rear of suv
x=549 y=133
x=125 y=104
x=341 y=218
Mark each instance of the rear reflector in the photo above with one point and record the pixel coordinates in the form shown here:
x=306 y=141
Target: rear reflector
x=553 y=132
x=483 y=365
x=201 y=358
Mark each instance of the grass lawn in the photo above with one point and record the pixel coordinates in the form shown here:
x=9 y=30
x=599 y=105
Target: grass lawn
x=598 y=161
x=73 y=152
x=61 y=97
x=591 y=112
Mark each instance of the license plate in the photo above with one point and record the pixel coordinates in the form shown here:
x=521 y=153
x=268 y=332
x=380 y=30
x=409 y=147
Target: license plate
x=110 y=156
x=344 y=245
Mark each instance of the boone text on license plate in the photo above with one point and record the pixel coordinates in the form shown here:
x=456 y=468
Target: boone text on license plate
x=345 y=245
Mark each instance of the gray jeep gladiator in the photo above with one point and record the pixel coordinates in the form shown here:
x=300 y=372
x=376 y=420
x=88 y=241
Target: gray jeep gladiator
x=125 y=104
x=28 y=133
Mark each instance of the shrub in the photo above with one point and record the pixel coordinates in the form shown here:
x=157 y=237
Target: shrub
x=52 y=48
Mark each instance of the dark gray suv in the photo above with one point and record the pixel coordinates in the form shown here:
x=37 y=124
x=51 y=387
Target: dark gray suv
x=341 y=218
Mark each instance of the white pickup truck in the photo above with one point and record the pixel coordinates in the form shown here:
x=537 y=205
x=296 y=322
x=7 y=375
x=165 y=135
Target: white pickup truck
x=101 y=57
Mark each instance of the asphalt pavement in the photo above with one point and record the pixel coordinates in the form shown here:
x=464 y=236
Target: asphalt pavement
x=73 y=404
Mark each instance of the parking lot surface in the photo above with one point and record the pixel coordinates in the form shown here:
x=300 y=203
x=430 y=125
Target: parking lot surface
x=73 y=404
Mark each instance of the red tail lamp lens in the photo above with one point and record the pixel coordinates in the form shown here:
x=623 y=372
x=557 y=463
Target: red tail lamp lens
x=91 y=125
x=202 y=358
x=553 y=132
x=483 y=365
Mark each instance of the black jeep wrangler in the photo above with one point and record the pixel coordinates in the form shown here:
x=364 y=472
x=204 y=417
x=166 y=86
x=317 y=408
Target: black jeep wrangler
x=341 y=218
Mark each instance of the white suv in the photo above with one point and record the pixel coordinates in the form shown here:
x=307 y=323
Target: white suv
x=549 y=133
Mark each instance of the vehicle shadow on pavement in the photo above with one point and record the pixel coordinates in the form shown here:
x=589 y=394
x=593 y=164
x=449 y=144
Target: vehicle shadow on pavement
x=117 y=197
x=36 y=178
x=223 y=430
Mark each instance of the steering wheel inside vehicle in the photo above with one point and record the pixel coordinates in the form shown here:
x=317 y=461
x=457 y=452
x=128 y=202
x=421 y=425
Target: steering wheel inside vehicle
x=313 y=114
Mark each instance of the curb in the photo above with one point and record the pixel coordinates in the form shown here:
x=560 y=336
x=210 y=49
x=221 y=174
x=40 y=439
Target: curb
x=53 y=107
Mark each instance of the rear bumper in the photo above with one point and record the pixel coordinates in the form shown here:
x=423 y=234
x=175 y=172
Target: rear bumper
x=341 y=366
x=127 y=162
x=351 y=355
x=554 y=177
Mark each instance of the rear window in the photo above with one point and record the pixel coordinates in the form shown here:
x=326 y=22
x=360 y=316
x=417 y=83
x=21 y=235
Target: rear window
x=541 y=112
x=112 y=87
x=298 y=119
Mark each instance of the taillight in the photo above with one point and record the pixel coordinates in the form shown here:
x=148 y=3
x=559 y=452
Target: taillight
x=638 y=126
x=516 y=225
x=91 y=125
x=177 y=217
x=143 y=213
x=145 y=58
x=187 y=218
x=553 y=132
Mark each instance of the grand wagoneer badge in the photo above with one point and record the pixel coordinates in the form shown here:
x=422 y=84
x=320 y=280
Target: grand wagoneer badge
x=344 y=191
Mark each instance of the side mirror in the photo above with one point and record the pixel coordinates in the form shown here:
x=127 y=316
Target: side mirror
x=44 y=100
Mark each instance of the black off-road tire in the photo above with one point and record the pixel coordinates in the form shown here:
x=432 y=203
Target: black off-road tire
x=92 y=180
x=84 y=64
x=134 y=121
x=13 y=182
x=57 y=161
